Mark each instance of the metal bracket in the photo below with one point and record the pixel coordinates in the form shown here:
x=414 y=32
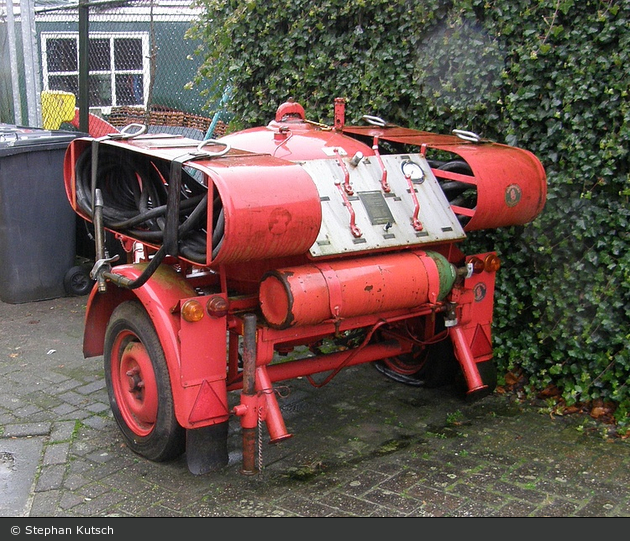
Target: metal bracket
x=356 y=232
x=415 y=222
x=384 y=183
x=346 y=174
x=102 y=265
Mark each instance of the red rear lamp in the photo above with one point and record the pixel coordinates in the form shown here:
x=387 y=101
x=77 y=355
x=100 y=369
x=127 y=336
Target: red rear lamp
x=476 y=264
x=492 y=263
x=192 y=311
x=217 y=306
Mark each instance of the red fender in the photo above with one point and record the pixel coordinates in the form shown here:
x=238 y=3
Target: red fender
x=197 y=373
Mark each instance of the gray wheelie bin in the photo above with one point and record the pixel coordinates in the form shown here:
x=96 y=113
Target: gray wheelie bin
x=37 y=224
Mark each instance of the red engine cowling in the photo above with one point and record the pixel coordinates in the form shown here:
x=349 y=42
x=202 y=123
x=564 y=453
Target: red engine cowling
x=291 y=137
x=500 y=185
x=489 y=185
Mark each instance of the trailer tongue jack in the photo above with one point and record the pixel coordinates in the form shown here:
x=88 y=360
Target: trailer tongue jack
x=258 y=402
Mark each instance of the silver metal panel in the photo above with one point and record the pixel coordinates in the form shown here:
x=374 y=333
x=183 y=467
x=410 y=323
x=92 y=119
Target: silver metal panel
x=377 y=232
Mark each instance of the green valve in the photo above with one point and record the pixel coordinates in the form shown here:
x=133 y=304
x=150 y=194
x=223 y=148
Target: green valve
x=446 y=271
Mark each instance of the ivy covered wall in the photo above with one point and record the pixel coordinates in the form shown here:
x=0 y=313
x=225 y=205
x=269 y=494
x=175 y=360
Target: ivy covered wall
x=551 y=76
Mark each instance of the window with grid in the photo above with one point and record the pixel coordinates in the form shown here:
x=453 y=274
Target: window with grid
x=118 y=66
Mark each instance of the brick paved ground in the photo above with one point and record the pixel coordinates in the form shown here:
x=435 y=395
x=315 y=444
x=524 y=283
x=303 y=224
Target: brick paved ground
x=363 y=446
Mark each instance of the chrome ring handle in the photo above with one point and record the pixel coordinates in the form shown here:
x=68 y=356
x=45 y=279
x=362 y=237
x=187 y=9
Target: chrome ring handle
x=131 y=130
x=202 y=152
x=375 y=121
x=467 y=136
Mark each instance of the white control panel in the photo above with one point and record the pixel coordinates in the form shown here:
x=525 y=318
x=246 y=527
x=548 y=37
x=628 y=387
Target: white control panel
x=368 y=204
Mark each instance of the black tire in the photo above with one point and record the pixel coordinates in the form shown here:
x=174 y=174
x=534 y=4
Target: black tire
x=77 y=281
x=139 y=387
x=436 y=366
x=430 y=366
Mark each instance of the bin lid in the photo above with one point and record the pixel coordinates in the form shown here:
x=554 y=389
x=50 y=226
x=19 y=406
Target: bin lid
x=21 y=138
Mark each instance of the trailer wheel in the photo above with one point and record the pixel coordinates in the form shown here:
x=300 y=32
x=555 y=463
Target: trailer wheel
x=429 y=366
x=138 y=385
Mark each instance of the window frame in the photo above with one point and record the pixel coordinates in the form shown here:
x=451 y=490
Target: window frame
x=145 y=72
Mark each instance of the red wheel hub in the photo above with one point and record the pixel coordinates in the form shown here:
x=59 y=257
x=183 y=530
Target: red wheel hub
x=135 y=386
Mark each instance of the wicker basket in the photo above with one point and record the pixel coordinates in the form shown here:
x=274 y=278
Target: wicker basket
x=220 y=129
x=123 y=116
x=166 y=118
x=162 y=116
x=196 y=121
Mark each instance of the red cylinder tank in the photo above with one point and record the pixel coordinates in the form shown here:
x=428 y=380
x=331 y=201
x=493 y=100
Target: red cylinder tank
x=310 y=294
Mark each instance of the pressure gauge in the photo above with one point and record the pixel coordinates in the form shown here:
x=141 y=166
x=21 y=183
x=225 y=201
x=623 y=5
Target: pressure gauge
x=412 y=170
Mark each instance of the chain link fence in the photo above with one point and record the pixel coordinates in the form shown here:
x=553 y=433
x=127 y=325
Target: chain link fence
x=139 y=63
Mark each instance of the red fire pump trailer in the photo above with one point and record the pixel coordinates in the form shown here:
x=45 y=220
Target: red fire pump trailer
x=286 y=238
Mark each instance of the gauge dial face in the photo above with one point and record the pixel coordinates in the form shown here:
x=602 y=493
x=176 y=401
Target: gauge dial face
x=412 y=170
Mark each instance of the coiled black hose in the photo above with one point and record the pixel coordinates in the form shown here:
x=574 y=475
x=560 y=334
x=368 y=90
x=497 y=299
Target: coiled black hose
x=134 y=189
